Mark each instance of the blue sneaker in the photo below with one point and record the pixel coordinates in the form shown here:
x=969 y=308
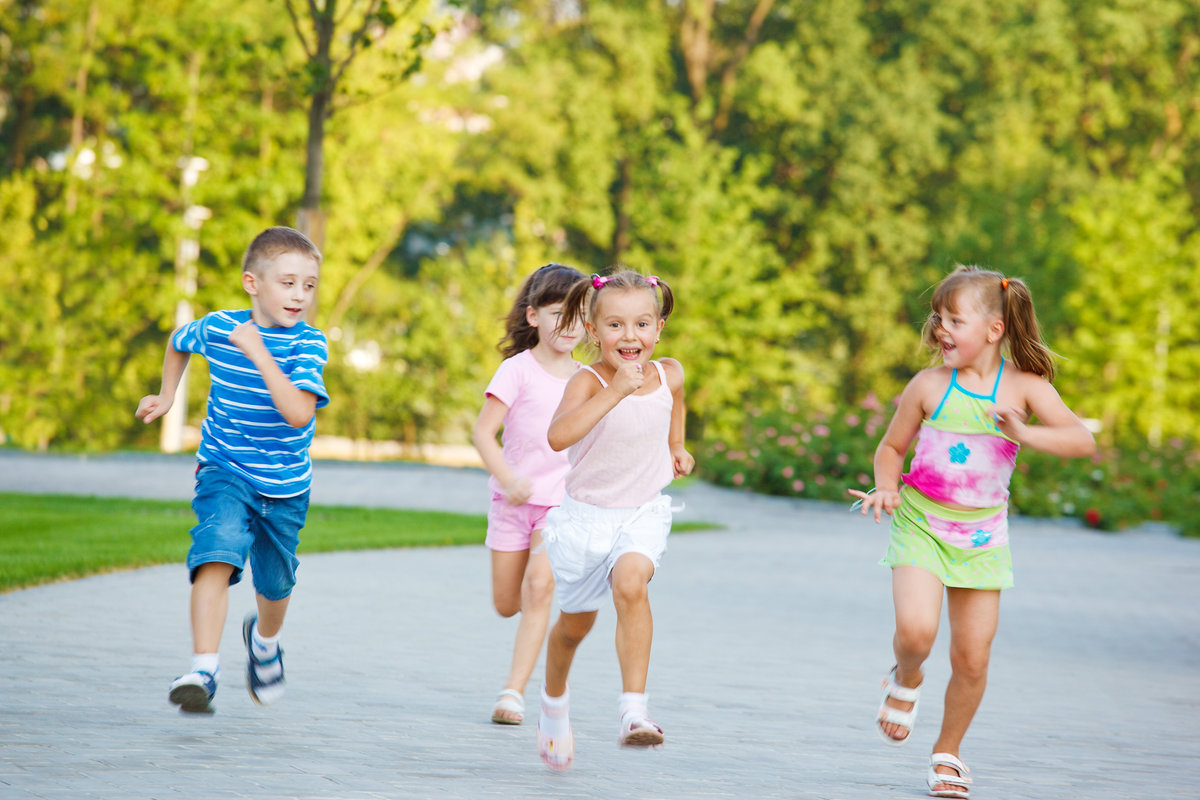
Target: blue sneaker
x=264 y=677
x=194 y=692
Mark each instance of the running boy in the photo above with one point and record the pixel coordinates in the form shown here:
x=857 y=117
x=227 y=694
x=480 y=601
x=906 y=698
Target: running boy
x=254 y=470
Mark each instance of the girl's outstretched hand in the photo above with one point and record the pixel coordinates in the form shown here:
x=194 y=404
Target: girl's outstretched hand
x=879 y=502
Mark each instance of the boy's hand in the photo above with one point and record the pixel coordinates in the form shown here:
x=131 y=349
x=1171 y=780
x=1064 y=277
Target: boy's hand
x=246 y=337
x=879 y=501
x=628 y=379
x=153 y=406
x=682 y=461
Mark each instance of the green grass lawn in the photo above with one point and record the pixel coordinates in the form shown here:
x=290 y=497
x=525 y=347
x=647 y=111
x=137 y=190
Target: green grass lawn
x=47 y=538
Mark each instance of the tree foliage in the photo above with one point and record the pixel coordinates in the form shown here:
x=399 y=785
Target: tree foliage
x=800 y=173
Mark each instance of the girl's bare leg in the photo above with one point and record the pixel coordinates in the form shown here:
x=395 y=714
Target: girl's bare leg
x=537 y=596
x=917 y=597
x=508 y=571
x=974 y=616
x=564 y=640
x=635 y=623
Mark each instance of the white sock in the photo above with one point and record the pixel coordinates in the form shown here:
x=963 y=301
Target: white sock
x=632 y=701
x=207 y=662
x=554 y=720
x=265 y=647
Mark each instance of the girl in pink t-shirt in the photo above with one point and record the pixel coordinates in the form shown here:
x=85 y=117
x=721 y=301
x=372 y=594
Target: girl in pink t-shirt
x=622 y=422
x=527 y=476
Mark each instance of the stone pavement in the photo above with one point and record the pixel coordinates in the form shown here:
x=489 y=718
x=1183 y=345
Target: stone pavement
x=771 y=637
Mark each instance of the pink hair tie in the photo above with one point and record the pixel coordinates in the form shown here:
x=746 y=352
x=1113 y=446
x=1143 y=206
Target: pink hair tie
x=598 y=282
x=652 y=280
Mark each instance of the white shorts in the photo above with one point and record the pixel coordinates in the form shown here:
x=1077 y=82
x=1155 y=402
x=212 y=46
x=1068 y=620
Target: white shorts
x=584 y=542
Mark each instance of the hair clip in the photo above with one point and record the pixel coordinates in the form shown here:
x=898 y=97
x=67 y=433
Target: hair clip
x=652 y=280
x=1003 y=284
x=598 y=282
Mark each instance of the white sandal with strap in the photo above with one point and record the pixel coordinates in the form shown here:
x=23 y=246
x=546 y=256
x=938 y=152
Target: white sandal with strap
x=513 y=702
x=936 y=778
x=894 y=716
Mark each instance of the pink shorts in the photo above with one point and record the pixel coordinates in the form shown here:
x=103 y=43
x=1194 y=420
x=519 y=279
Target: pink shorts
x=509 y=527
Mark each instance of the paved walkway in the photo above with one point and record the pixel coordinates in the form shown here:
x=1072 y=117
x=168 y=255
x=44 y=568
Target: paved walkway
x=771 y=638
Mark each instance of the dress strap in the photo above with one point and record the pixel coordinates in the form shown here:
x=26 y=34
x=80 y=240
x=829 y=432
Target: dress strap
x=950 y=388
x=662 y=373
x=996 y=386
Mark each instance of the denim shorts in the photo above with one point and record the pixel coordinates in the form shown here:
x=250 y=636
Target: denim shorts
x=236 y=523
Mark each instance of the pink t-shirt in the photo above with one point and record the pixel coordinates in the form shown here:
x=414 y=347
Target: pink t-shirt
x=532 y=396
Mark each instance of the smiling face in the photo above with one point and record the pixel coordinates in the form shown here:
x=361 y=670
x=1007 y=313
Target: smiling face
x=282 y=290
x=626 y=325
x=966 y=330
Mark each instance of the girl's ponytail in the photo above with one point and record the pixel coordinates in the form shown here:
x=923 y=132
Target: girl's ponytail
x=1021 y=330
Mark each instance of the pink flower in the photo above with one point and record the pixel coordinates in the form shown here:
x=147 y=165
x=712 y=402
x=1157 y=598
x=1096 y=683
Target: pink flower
x=770 y=432
x=739 y=479
x=819 y=480
x=843 y=458
x=871 y=402
x=852 y=420
x=1092 y=517
x=797 y=486
x=821 y=430
x=788 y=472
x=864 y=479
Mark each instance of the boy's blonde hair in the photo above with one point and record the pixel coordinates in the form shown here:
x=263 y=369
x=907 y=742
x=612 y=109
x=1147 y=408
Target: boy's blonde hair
x=274 y=242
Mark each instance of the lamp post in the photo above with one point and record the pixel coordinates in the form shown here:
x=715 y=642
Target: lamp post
x=171 y=440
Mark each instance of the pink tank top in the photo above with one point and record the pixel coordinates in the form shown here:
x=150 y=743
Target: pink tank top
x=961 y=456
x=625 y=460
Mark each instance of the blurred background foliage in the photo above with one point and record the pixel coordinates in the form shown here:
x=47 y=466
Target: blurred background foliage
x=800 y=172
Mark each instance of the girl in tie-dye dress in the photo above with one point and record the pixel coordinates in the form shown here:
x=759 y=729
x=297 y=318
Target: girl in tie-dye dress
x=969 y=416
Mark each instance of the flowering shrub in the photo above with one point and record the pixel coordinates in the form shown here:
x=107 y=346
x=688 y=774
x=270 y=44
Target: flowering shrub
x=819 y=455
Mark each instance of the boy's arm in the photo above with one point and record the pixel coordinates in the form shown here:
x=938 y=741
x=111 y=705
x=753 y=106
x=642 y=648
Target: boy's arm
x=295 y=404
x=153 y=406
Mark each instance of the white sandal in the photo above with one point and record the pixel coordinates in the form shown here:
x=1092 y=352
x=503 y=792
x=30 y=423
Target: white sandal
x=936 y=778
x=513 y=702
x=887 y=714
x=638 y=730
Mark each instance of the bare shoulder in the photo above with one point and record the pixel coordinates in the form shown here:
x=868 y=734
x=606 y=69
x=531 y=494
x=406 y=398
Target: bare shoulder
x=674 y=372
x=927 y=388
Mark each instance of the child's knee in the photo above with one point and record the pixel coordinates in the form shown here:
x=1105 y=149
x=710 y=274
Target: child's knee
x=915 y=638
x=630 y=588
x=507 y=603
x=537 y=589
x=970 y=662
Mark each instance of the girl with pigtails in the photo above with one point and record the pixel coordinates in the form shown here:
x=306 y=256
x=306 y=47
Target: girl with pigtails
x=969 y=416
x=621 y=421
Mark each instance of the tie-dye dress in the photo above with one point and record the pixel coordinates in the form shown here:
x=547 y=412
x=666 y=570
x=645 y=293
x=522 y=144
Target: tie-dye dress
x=961 y=458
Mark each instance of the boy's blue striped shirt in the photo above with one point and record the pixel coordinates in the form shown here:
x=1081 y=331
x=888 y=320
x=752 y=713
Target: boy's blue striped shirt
x=243 y=432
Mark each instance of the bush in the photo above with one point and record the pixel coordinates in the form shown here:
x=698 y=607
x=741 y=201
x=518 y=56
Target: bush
x=819 y=455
